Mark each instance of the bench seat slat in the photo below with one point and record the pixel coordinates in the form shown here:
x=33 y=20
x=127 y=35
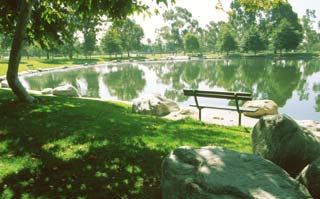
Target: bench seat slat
x=218 y=94
x=223 y=96
x=230 y=108
x=191 y=92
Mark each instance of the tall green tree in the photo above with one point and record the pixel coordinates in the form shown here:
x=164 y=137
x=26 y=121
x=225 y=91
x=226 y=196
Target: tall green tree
x=211 y=35
x=242 y=18
x=253 y=40
x=89 y=44
x=285 y=26
x=226 y=40
x=130 y=34
x=179 y=23
x=191 y=42
x=285 y=37
x=310 y=35
x=111 y=42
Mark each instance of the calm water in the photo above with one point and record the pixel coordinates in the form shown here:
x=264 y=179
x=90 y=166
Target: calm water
x=293 y=84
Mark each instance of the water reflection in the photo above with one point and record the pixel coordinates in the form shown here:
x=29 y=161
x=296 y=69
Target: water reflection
x=316 y=89
x=290 y=83
x=126 y=83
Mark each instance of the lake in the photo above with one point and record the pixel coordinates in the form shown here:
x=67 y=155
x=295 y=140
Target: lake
x=293 y=84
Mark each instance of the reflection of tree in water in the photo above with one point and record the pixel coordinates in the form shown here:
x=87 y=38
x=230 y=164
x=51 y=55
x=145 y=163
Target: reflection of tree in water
x=316 y=88
x=126 y=82
x=54 y=79
x=223 y=75
x=317 y=104
x=265 y=80
x=172 y=77
x=252 y=73
x=281 y=80
x=92 y=84
x=191 y=73
x=180 y=75
x=308 y=68
x=44 y=81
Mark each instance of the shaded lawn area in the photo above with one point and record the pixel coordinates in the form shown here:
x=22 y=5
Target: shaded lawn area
x=79 y=148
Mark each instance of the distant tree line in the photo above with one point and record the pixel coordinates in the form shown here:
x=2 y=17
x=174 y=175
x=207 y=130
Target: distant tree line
x=277 y=29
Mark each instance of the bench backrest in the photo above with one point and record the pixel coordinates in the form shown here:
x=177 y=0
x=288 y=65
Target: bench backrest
x=218 y=94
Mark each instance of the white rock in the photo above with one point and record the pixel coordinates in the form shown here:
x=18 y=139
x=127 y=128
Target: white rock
x=47 y=91
x=265 y=107
x=66 y=90
x=154 y=105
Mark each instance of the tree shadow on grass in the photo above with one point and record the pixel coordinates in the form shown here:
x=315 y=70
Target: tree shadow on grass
x=69 y=148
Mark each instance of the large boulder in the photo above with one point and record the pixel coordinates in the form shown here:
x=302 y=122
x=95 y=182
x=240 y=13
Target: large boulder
x=214 y=172
x=154 y=104
x=310 y=177
x=265 y=107
x=280 y=139
x=66 y=90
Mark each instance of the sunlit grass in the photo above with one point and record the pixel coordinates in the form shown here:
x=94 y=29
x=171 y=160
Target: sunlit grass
x=35 y=63
x=78 y=148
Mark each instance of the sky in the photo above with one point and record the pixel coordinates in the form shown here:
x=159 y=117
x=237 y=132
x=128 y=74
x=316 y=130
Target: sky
x=204 y=11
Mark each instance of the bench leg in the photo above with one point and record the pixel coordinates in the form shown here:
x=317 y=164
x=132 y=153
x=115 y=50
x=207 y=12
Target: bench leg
x=200 y=113
x=239 y=118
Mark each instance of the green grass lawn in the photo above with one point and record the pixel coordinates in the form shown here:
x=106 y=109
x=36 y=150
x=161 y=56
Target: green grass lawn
x=56 y=62
x=79 y=148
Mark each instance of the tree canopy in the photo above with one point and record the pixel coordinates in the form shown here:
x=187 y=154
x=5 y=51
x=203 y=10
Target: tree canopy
x=111 y=42
x=253 y=40
x=130 y=34
x=191 y=42
x=226 y=40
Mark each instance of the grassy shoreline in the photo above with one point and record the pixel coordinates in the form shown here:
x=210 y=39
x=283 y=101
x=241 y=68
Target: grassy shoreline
x=60 y=61
x=72 y=147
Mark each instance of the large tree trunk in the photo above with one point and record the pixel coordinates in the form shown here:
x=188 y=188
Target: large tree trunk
x=15 y=53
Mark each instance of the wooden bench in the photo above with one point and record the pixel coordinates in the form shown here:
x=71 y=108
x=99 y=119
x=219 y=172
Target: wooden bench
x=223 y=95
